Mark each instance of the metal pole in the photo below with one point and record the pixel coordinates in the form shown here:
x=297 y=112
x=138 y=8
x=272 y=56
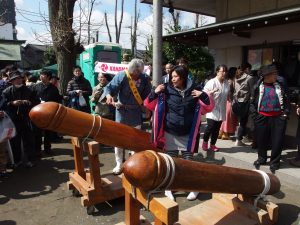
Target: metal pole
x=157 y=42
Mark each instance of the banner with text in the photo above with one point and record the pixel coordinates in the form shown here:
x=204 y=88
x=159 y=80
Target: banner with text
x=114 y=68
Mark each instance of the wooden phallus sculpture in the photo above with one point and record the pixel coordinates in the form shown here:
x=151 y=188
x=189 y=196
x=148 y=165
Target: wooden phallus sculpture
x=147 y=170
x=56 y=117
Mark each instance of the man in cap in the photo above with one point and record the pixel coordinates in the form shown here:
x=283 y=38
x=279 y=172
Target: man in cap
x=19 y=99
x=269 y=108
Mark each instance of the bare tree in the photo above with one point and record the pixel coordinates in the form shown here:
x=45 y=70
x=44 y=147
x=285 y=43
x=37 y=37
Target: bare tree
x=117 y=26
x=89 y=19
x=200 y=20
x=176 y=17
x=107 y=26
x=61 y=21
x=197 y=20
x=83 y=24
x=133 y=34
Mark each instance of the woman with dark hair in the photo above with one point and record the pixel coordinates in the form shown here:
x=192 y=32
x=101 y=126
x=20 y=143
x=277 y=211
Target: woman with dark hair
x=177 y=115
x=79 y=86
x=229 y=125
x=219 y=88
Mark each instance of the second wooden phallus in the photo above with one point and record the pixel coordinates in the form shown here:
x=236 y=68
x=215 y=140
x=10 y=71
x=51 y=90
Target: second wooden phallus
x=148 y=170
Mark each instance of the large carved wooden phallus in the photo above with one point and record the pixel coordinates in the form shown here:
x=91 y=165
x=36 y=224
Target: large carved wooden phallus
x=56 y=117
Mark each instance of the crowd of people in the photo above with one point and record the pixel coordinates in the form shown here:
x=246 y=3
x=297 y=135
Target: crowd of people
x=231 y=100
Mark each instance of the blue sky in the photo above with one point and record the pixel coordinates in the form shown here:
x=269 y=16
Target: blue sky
x=31 y=16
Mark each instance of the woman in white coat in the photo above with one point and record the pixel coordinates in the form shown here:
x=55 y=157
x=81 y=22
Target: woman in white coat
x=219 y=87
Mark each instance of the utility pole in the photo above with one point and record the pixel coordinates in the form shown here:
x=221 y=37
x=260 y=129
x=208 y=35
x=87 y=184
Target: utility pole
x=134 y=29
x=157 y=41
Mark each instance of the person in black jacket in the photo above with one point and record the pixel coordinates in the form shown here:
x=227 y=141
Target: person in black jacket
x=79 y=86
x=269 y=108
x=19 y=99
x=46 y=92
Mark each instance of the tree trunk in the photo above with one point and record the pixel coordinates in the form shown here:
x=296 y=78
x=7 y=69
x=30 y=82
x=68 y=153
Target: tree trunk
x=116 y=21
x=107 y=26
x=120 y=22
x=89 y=20
x=61 y=21
x=134 y=30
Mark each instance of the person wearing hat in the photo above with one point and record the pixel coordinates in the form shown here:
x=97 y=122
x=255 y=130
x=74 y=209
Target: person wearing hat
x=101 y=108
x=19 y=100
x=46 y=92
x=269 y=108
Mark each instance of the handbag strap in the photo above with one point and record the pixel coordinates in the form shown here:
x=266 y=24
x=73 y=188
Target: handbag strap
x=134 y=89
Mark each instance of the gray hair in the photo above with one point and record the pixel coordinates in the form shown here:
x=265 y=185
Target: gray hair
x=136 y=64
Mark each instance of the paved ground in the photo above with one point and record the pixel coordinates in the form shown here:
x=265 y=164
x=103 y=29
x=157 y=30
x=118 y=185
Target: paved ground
x=39 y=195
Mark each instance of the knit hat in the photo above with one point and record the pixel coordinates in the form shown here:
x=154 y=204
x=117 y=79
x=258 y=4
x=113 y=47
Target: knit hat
x=14 y=75
x=268 y=69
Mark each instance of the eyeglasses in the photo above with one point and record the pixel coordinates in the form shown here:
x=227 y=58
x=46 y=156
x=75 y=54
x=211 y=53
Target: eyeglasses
x=222 y=71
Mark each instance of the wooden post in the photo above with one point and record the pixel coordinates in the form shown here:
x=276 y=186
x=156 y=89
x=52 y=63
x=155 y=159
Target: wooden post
x=78 y=157
x=132 y=210
x=93 y=187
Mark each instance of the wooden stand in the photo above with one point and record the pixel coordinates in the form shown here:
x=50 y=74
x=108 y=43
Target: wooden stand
x=93 y=187
x=222 y=209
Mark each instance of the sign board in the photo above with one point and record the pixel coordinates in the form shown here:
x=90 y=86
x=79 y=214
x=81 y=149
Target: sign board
x=113 y=68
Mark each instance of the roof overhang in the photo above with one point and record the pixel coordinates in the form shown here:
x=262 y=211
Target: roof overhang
x=240 y=27
x=204 y=7
x=10 y=50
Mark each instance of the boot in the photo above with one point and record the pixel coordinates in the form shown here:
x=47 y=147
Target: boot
x=119 y=161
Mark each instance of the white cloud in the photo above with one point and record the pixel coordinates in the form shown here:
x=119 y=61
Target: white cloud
x=19 y=3
x=31 y=38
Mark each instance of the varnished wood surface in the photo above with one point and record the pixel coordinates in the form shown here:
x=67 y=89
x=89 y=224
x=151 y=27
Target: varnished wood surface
x=56 y=117
x=146 y=170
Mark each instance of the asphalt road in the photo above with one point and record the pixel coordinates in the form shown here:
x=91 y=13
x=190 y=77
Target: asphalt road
x=39 y=196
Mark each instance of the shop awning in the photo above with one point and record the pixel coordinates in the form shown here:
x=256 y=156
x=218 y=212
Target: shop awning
x=240 y=27
x=204 y=7
x=10 y=52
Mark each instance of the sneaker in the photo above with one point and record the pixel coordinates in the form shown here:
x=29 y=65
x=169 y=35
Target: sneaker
x=192 y=196
x=117 y=170
x=204 y=146
x=169 y=195
x=239 y=143
x=214 y=148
